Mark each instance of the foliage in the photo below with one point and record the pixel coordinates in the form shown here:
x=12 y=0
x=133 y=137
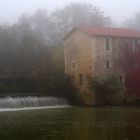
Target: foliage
x=52 y=27
x=129 y=63
x=31 y=52
x=132 y=83
x=105 y=87
x=77 y=14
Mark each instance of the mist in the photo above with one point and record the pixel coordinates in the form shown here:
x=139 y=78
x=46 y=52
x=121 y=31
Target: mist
x=81 y=57
x=118 y=10
x=32 y=32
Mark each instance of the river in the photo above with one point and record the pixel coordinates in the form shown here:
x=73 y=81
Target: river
x=71 y=123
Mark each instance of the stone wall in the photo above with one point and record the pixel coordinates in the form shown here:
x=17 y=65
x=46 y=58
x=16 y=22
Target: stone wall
x=79 y=62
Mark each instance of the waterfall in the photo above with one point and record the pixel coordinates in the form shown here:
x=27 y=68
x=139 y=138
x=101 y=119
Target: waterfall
x=18 y=103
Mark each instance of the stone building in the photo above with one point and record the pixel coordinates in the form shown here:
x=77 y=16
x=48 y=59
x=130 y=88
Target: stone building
x=91 y=52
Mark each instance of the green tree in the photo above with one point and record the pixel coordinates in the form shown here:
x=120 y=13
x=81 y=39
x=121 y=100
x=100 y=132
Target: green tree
x=105 y=88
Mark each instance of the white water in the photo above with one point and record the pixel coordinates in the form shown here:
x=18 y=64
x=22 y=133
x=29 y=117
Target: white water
x=24 y=103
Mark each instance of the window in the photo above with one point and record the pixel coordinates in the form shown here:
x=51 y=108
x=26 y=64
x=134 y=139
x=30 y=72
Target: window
x=121 y=78
x=73 y=65
x=135 y=66
x=80 y=79
x=107 y=44
x=138 y=42
x=107 y=64
x=135 y=43
x=90 y=67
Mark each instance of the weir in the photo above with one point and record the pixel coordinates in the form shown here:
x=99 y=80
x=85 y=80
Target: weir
x=22 y=103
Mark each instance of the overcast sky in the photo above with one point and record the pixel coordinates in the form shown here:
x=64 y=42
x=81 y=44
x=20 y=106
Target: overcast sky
x=119 y=10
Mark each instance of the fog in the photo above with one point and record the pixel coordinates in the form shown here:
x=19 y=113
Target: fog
x=56 y=53
x=119 y=10
x=32 y=45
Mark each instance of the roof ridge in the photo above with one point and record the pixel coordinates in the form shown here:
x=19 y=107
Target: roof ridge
x=111 y=31
x=107 y=31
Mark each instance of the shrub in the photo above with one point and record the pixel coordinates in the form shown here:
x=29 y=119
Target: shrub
x=105 y=87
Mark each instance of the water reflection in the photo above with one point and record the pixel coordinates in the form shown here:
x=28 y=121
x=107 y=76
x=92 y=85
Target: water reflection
x=71 y=124
x=98 y=124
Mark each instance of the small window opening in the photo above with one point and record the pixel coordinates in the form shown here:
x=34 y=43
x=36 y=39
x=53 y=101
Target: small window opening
x=135 y=43
x=90 y=67
x=107 y=44
x=121 y=78
x=138 y=42
x=81 y=79
x=73 y=65
x=107 y=64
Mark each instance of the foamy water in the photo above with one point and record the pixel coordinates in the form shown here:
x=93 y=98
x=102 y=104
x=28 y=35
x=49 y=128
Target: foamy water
x=29 y=103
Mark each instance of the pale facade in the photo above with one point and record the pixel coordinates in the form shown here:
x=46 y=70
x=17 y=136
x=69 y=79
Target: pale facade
x=89 y=55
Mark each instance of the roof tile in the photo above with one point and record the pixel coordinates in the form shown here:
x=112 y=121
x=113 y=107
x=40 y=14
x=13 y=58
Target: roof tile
x=113 y=32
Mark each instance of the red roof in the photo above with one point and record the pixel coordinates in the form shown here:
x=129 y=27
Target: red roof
x=104 y=31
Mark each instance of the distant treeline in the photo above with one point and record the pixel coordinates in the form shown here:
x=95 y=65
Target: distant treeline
x=32 y=51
